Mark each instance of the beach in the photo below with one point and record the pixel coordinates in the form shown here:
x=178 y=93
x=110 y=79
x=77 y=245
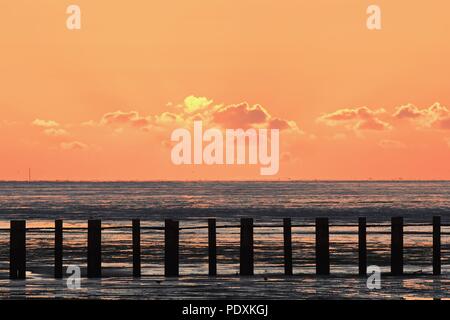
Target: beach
x=192 y=204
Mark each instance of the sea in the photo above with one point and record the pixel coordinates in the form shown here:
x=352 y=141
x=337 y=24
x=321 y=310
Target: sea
x=193 y=203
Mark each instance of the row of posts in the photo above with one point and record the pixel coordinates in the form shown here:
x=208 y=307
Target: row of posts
x=171 y=247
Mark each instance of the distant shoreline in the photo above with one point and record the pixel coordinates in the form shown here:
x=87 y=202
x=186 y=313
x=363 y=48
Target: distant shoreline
x=222 y=181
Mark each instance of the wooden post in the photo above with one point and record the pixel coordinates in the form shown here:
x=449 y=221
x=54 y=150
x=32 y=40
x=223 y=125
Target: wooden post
x=362 y=246
x=17 y=251
x=136 y=248
x=246 y=249
x=287 y=232
x=212 y=248
x=397 y=246
x=58 y=249
x=436 y=246
x=171 y=248
x=94 y=269
x=322 y=246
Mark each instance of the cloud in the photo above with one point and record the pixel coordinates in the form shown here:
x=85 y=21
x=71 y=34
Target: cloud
x=444 y=123
x=362 y=118
x=194 y=104
x=168 y=118
x=436 y=116
x=74 y=145
x=408 y=111
x=120 y=117
x=372 y=124
x=56 y=132
x=280 y=124
x=242 y=115
x=352 y=114
x=45 y=123
x=136 y=120
x=440 y=117
x=192 y=108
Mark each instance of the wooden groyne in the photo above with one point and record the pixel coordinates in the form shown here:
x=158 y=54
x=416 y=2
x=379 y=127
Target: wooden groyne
x=171 y=228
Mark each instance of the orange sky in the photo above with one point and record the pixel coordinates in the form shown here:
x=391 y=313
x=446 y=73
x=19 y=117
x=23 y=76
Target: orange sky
x=354 y=103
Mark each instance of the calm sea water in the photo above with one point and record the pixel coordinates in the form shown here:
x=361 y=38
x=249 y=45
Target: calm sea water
x=154 y=200
x=191 y=203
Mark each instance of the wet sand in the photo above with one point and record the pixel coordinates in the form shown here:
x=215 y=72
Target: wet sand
x=268 y=282
x=230 y=287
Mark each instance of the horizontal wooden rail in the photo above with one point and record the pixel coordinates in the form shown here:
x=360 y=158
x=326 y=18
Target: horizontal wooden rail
x=322 y=231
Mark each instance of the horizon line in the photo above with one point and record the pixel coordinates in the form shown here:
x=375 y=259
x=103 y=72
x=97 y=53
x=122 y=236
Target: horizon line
x=237 y=180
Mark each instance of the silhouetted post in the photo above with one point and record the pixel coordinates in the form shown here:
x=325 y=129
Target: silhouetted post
x=246 y=250
x=287 y=232
x=212 y=249
x=362 y=246
x=94 y=269
x=17 y=253
x=322 y=246
x=436 y=246
x=397 y=246
x=136 y=248
x=58 y=249
x=171 y=248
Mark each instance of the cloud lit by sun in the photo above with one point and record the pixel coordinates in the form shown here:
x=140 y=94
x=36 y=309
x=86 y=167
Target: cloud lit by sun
x=100 y=103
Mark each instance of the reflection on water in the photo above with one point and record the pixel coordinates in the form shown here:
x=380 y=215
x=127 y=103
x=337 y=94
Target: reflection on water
x=230 y=287
x=192 y=203
x=156 y=200
x=117 y=262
